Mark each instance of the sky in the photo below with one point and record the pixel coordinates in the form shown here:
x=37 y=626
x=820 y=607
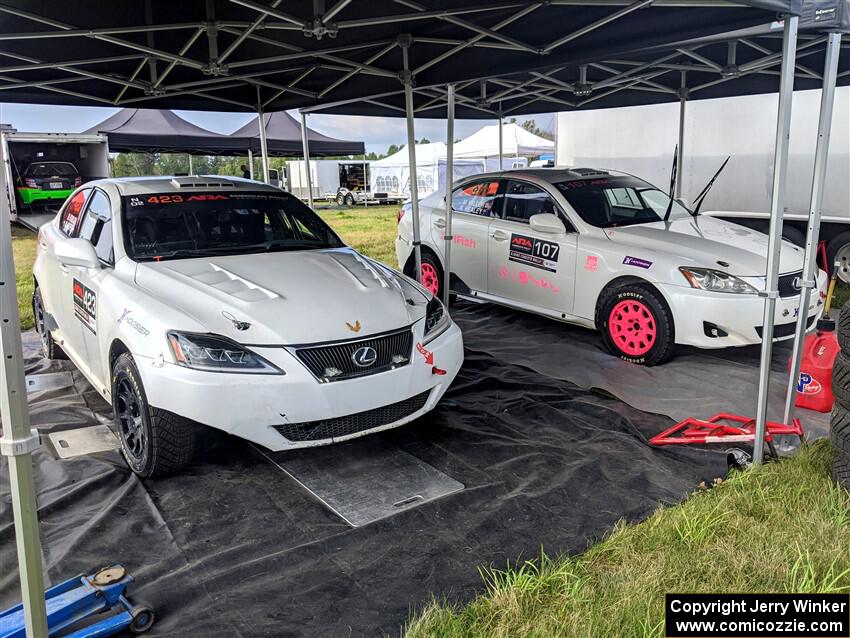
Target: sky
x=377 y=132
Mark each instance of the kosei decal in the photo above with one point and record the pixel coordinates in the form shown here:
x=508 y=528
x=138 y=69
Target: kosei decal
x=534 y=252
x=808 y=384
x=591 y=263
x=427 y=354
x=85 y=305
x=637 y=261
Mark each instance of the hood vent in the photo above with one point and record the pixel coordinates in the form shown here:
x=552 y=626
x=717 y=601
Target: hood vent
x=232 y=284
x=361 y=270
x=201 y=181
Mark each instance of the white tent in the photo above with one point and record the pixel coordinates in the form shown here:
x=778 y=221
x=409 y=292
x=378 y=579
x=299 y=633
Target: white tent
x=392 y=173
x=516 y=142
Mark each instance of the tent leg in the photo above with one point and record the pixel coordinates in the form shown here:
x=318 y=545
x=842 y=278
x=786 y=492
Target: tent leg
x=777 y=204
x=19 y=440
x=305 y=147
x=450 y=143
x=501 y=145
x=264 y=149
x=366 y=188
x=827 y=101
x=191 y=170
x=250 y=164
x=683 y=99
x=414 y=175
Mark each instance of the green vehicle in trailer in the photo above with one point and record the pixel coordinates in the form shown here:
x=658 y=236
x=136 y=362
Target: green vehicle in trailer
x=48 y=182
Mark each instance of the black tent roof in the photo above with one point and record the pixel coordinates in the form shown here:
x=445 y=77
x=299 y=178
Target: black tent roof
x=162 y=131
x=283 y=137
x=234 y=54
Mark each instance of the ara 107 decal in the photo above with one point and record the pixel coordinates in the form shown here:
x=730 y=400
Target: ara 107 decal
x=534 y=252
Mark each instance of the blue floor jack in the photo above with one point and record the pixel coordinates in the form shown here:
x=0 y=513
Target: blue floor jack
x=85 y=607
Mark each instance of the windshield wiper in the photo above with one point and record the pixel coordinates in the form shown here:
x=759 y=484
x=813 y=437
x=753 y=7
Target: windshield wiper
x=701 y=197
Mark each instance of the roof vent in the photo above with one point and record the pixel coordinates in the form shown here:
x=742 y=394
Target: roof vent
x=588 y=171
x=201 y=181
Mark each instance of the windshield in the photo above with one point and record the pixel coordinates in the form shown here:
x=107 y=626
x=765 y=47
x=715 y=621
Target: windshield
x=608 y=202
x=48 y=169
x=175 y=225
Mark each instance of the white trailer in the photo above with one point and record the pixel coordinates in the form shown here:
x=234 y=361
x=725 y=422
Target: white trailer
x=89 y=153
x=641 y=140
x=343 y=181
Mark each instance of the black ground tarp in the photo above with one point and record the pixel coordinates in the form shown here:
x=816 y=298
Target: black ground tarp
x=234 y=547
x=283 y=137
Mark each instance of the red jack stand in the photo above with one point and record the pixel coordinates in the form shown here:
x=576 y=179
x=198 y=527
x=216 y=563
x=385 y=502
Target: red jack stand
x=722 y=428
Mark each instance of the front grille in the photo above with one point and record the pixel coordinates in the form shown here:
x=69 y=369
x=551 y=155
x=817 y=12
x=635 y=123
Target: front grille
x=335 y=362
x=353 y=423
x=785 y=329
x=786 y=284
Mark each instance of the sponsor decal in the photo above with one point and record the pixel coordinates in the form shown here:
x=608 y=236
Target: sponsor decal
x=354 y=327
x=164 y=199
x=527 y=278
x=534 y=252
x=131 y=321
x=85 y=305
x=808 y=384
x=591 y=262
x=460 y=240
x=427 y=354
x=636 y=261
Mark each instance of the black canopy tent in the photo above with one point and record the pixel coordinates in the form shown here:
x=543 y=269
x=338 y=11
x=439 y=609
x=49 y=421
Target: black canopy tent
x=244 y=55
x=283 y=135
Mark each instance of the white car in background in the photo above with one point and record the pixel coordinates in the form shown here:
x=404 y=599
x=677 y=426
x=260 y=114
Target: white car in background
x=231 y=304
x=606 y=250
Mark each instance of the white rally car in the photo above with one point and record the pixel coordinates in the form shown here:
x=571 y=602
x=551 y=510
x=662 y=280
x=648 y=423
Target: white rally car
x=231 y=304
x=606 y=250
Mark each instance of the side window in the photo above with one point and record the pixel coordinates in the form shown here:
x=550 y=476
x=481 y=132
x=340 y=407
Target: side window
x=70 y=220
x=523 y=200
x=97 y=226
x=478 y=198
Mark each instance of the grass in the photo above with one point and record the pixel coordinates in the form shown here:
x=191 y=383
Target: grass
x=23 y=252
x=784 y=527
x=371 y=230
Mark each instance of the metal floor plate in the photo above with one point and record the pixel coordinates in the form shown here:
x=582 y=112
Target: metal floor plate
x=365 y=480
x=82 y=441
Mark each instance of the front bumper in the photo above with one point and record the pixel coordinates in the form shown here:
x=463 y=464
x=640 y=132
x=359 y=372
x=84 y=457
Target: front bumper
x=251 y=406
x=696 y=312
x=30 y=195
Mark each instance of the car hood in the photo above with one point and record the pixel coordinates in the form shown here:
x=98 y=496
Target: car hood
x=287 y=297
x=705 y=241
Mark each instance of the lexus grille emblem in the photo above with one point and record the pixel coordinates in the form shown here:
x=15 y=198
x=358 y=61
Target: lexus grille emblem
x=797 y=283
x=364 y=356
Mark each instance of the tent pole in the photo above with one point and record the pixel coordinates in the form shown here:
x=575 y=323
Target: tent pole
x=683 y=98
x=411 y=152
x=19 y=440
x=501 y=147
x=827 y=100
x=191 y=170
x=777 y=206
x=305 y=147
x=366 y=187
x=250 y=164
x=450 y=146
x=264 y=149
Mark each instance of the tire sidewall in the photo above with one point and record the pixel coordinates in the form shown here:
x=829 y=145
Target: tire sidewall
x=125 y=368
x=349 y=200
x=428 y=258
x=47 y=345
x=663 y=335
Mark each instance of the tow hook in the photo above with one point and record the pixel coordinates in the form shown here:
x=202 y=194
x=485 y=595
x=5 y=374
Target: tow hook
x=438 y=371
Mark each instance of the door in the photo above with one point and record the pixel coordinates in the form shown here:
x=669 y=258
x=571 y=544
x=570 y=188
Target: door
x=529 y=266
x=474 y=205
x=86 y=283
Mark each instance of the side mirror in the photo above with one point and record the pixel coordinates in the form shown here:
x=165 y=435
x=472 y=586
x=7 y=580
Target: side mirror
x=76 y=252
x=547 y=223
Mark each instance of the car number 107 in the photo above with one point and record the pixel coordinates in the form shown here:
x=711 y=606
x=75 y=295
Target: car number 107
x=546 y=249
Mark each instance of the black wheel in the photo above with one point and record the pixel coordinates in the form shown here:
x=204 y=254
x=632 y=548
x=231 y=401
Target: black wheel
x=838 y=250
x=349 y=200
x=340 y=199
x=143 y=618
x=841 y=470
x=842 y=329
x=154 y=442
x=841 y=377
x=793 y=235
x=636 y=324
x=49 y=347
x=839 y=427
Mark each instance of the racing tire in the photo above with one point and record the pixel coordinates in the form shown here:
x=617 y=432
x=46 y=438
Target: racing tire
x=349 y=200
x=340 y=199
x=636 y=324
x=431 y=275
x=841 y=470
x=842 y=329
x=838 y=249
x=841 y=378
x=154 y=442
x=839 y=428
x=49 y=348
x=794 y=236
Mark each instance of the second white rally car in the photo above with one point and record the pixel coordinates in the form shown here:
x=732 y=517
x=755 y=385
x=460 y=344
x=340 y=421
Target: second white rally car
x=228 y=303
x=606 y=250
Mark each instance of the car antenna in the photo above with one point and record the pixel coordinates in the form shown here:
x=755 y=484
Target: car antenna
x=672 y=182
x=704 y=193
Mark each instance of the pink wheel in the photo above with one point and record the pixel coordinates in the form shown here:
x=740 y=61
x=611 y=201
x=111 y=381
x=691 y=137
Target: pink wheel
x=430 y=278
x=632 y=327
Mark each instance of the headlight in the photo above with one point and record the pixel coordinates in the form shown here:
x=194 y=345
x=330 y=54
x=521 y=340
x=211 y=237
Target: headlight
x=216 y=354
x=716 y=281
x=436 y=319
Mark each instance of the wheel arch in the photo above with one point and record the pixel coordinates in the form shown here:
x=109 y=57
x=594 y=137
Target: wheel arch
x=409 y=265
x=116 y=349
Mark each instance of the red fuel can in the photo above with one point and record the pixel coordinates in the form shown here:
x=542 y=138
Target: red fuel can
x=814 y=388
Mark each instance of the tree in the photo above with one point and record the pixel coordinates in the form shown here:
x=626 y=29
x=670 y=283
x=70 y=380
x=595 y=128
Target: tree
x=531 y=127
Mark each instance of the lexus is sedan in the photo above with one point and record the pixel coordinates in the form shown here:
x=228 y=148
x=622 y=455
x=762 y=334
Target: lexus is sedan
x=609 y=251
x=230 y=304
